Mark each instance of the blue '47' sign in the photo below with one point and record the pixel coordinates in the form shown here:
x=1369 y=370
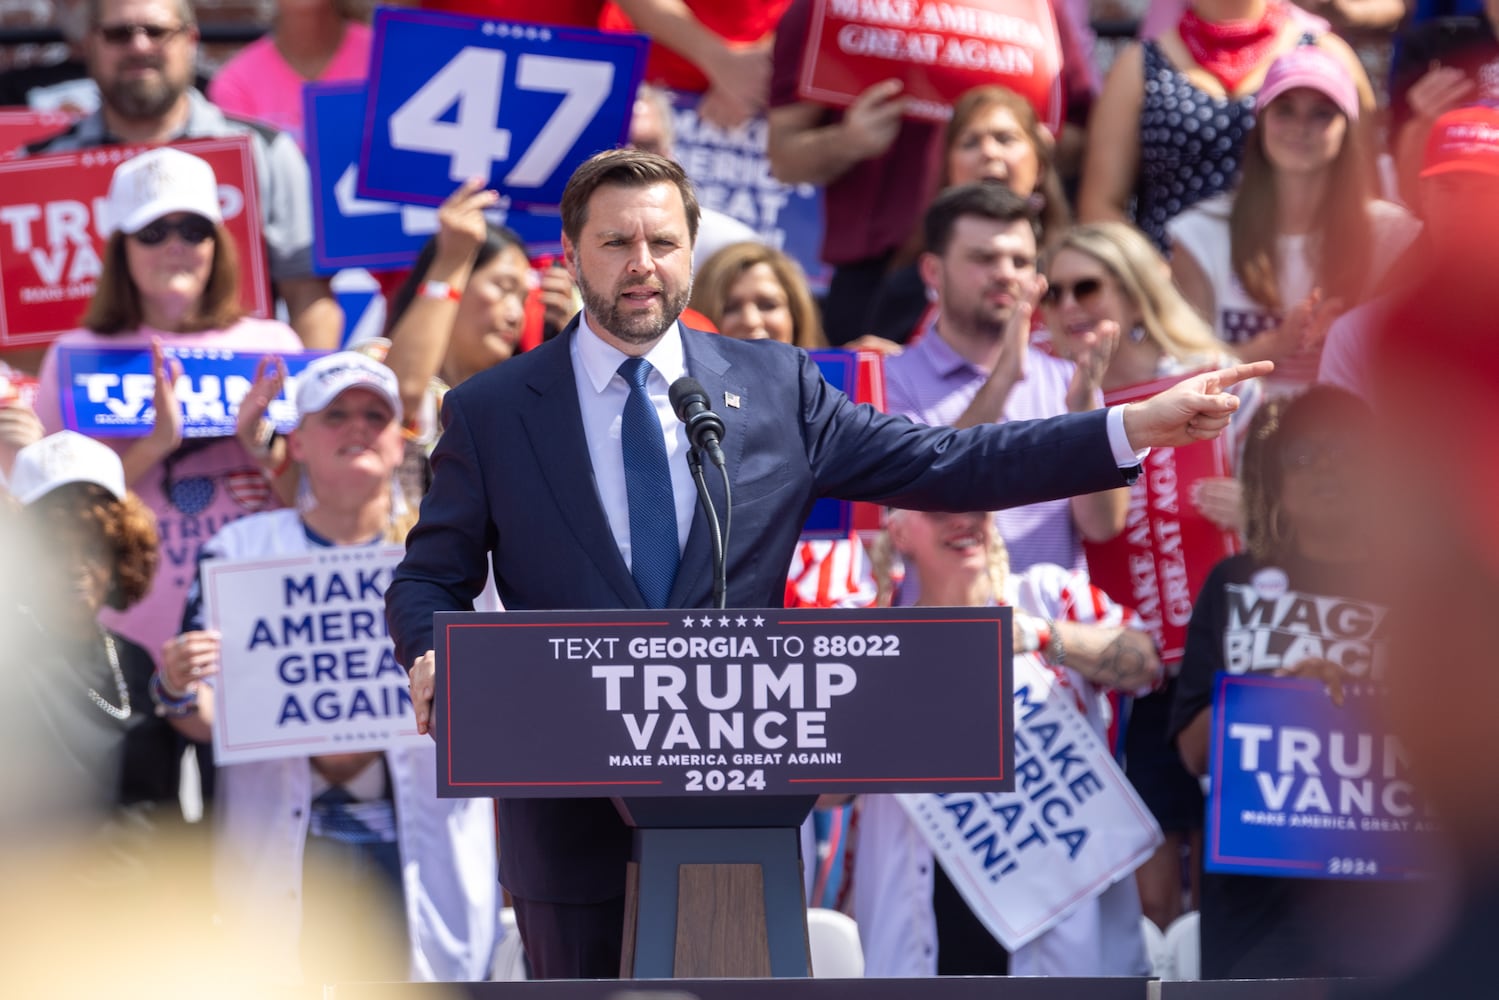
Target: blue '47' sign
x=522 y=104
x=350 y=231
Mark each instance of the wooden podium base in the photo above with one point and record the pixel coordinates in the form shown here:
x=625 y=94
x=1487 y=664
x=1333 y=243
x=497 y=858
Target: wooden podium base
x=715 y=889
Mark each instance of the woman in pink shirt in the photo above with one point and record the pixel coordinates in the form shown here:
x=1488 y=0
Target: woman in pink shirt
x=171 y=283
x=312 y=41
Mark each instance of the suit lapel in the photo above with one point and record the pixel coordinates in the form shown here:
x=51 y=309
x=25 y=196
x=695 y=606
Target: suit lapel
x=708 y=365
x=552 y=424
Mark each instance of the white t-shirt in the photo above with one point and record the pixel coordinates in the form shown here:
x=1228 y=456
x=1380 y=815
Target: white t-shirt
x=1203 y=232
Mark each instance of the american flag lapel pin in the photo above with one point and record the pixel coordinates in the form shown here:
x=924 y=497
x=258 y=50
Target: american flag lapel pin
x=731 y=399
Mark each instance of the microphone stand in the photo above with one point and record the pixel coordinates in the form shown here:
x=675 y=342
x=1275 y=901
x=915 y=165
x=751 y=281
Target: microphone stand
x=705 y=501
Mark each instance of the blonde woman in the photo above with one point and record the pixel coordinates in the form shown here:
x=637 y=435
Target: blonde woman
x=754 y=292
x=1108 y=273
x=1103 y=274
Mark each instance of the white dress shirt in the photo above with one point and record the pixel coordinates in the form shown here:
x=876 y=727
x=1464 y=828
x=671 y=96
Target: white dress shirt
x=602 y=392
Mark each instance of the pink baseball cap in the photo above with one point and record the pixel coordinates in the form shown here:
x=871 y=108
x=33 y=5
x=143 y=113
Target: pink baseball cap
x=1465 y=140
x=1315 y=68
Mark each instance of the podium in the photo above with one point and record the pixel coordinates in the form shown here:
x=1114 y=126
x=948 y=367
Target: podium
x=713 y=732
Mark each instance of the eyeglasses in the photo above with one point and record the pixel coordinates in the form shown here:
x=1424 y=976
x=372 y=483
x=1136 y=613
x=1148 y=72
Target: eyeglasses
x=194 y=229
x=124 y=34
x=1081 y=290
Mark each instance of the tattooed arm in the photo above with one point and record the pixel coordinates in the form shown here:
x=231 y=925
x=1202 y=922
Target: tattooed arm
x=1112 y=656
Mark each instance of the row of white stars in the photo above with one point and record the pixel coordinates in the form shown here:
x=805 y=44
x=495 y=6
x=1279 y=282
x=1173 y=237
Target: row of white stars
x=199 y=353
x=519 y=31
x=723 y=621
x=108 y=155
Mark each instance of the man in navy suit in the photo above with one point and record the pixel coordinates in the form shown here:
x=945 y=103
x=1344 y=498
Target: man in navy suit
x=564 y=471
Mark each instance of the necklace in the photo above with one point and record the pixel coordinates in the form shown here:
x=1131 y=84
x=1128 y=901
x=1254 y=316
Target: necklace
x=123 y=712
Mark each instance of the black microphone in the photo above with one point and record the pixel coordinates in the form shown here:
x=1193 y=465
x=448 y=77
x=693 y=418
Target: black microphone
x=689 y=400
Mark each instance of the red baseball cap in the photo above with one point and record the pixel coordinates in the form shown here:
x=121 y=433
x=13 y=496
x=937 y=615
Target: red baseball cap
x=1465 y=140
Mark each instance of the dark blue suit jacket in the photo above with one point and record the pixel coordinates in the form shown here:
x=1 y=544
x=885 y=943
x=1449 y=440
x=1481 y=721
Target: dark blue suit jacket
x=512 y=482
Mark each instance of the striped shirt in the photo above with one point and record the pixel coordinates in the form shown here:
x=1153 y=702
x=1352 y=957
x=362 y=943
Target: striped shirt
x=932 y=384
x=830 y=573
x=1058 y=594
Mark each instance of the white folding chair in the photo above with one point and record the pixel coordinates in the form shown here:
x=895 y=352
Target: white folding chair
x=1184 y=947
x=836 y=951
x=1155 y=949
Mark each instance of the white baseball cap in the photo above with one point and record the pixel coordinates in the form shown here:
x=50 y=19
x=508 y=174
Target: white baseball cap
x=63 y=458
x=323 y=381
x=156 y=184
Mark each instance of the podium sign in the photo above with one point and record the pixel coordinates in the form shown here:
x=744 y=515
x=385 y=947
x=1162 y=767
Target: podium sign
x=688 y=703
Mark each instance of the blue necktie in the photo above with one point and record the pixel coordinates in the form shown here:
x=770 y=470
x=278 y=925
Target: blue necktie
x=653 y=509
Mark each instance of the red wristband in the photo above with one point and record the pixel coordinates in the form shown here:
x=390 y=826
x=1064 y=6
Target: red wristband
x=441 y=290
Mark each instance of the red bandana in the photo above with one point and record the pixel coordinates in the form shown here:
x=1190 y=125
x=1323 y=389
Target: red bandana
x=1232 y=50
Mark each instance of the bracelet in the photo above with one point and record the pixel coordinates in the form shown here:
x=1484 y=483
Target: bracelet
x=441 y=290
x=274 y=474
x=1030 y=633
x=265 y=439
x=1043 y=634
x=1056 y=651
x=167 y=704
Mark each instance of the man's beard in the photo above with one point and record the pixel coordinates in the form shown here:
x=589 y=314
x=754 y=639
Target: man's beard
x=640 y=328
x=142 y=98
x=988 y=321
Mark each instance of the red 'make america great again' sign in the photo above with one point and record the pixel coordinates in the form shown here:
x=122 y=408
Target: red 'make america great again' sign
x=937 y=49
x=1159 y=563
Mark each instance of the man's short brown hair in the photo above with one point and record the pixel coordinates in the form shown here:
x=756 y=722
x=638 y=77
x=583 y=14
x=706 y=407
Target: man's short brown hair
x=625 y=168
x=184 y=9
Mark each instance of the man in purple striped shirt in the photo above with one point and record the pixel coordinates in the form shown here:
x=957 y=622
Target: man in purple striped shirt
x=975 y=363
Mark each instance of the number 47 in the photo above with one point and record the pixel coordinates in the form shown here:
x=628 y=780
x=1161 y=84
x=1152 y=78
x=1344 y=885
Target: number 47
x=473 y=81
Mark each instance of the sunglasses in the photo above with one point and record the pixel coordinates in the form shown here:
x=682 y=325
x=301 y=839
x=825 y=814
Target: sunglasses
x=193 y=229
x=1081 y=290
x=124 y=34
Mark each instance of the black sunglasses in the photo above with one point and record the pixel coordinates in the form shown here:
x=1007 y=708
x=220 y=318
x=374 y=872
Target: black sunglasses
x=1082 y=290
x=124 y=34
x=194 y=229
